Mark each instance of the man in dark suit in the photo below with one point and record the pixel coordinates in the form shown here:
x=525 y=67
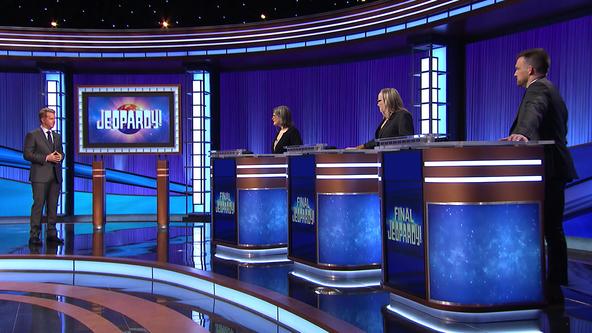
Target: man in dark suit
x=542 y=115
x=43 y=148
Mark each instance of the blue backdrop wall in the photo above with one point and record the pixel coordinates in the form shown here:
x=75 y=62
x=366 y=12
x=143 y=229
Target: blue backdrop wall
x=333 y=104
x=493 y=97
x=21 y=97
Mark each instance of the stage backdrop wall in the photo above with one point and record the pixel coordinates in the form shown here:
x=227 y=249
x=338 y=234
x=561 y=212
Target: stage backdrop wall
x=21 y=97
x=493 y=97
x=333 y=104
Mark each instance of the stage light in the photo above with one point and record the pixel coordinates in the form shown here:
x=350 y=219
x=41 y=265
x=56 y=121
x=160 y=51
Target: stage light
x=54 y=24
x=263 y=17
x=164 y=24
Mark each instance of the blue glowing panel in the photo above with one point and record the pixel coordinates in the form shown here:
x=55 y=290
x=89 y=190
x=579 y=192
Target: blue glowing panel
x=349 y=229
x=263 y=217
x=487 y=254
x=116 y=119
x=224 y=197
x=129 y=118
x=303 y=238
x=403 y=226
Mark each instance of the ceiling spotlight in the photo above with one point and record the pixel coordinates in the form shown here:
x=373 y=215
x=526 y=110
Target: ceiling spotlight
x=263 y=17
x=54 y=24
x=164 y=24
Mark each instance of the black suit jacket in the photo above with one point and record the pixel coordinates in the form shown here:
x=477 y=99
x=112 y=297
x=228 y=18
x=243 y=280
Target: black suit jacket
x=542 y=115
x=36 y=149
x=399 y=123
x=290 y=138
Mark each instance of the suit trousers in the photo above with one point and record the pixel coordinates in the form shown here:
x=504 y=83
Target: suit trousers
x=554 y=235
x=44 y=194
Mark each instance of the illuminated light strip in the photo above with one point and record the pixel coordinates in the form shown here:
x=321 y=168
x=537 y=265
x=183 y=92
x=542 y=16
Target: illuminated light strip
x=335 y=284
x=455 y=321
x=262 y=175
x=482 y=163
x=500 y=179
x=348 y=165
x=241 y=35
x=404 y=25
x=250 y=302
x=242 y=31
x=337 y=274
x=448 y=327
x=258 y=252
x=418 y=320
x=262 y=166
x=280 y=38
x=347 y=176
x=262 y=260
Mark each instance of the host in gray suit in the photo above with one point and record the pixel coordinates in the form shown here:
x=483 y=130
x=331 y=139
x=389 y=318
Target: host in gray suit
x=542 y=115
x=43 y=148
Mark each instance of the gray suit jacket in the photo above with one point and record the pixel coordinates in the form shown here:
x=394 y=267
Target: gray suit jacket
x=36 y=149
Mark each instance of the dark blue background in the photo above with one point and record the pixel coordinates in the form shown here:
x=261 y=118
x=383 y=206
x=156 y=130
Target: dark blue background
x=349 y=229
x=263 y=217
x=403 y=183
x=487 y=254
x=224 y=180
x=302 y=179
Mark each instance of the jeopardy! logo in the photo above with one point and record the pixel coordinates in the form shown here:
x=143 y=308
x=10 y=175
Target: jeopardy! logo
x=224 y=205
x=301 y=212
x=403 y=229
x=129 y=119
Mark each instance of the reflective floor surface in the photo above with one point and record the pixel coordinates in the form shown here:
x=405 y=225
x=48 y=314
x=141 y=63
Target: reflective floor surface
x=188 y=244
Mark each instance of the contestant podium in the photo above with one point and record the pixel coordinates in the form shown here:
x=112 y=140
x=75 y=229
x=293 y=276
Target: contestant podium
x=249 y=213
x=334 y=216
x=462 y=226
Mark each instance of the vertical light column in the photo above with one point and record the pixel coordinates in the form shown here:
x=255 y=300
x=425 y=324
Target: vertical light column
x=198 y=170
x=55 y=98
x=432 y=88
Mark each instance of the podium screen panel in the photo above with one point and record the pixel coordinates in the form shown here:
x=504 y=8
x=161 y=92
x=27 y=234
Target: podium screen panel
x=485 y=253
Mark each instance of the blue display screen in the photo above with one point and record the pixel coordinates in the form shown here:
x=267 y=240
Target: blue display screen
x=485 y=253
x=224 y=198
x=403 y=222
x=302 y=212
x=349 y=229
x=263 y=217
x=129 y=119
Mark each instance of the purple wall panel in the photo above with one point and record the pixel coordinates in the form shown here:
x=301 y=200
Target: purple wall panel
x=21 y=97
x=333 y=104
x=493 y=97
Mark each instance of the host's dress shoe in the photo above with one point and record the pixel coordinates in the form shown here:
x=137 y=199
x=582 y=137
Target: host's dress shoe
x=54 y=240
x=35 y=241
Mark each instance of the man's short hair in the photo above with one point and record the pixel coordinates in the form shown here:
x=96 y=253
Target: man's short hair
x=537 y=58
x=45 y=110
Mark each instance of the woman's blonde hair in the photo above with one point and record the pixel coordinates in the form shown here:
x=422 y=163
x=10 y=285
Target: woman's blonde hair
x=392 y=101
